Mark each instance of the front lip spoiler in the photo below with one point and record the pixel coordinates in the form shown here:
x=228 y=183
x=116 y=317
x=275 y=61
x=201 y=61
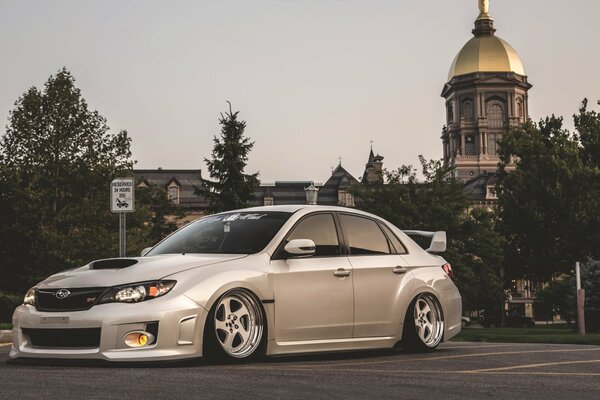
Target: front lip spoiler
x=83 y=362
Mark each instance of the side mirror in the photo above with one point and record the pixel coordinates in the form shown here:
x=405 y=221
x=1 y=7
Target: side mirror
x=145 y=251
x=438 y=242
x=300 y=247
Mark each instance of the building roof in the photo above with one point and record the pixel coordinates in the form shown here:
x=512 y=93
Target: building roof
x=486 y=52
x=339 y=179
x=282 y=192
x=186 y=179
x=476 y=189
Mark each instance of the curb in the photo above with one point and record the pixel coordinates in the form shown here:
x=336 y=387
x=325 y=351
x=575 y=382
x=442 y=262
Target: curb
x=5 y=336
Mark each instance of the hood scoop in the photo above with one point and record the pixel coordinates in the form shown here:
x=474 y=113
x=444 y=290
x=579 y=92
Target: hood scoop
x=113 y=263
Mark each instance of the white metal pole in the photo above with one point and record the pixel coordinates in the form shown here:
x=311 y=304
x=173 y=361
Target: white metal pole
x=580 y=301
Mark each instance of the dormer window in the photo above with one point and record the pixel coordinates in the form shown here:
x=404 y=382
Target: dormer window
x=173 y=192
x=345 y=199
x=491 y=193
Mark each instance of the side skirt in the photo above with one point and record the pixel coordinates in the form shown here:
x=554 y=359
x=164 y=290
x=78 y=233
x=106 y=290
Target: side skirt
x=328 y=345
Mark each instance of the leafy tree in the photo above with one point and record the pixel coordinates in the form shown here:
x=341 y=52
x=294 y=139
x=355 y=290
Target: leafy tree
x=477 y=252
x=437 y=202
x=549 y=205
x=57 y=159
x=230 y=188
x=558 y=298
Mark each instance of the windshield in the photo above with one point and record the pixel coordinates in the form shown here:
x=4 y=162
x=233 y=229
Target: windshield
x=230 y=233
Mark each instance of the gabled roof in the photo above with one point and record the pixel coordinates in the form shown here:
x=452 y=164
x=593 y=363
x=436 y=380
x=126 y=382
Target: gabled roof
x=339 y=179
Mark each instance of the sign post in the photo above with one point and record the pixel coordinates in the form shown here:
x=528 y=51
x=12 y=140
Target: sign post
x=122 y=201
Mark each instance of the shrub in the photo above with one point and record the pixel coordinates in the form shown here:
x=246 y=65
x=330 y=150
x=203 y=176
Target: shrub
x=8 y=303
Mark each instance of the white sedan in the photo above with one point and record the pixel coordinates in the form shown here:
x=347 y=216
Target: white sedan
x=258 y=281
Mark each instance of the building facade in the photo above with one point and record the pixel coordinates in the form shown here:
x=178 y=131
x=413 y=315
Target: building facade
x=486 y=95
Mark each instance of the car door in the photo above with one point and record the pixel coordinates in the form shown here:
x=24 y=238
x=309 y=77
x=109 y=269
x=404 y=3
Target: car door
x=313 y=295
x=378 y=269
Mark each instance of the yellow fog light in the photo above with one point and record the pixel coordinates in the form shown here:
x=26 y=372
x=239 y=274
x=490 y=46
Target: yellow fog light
x=138 y=339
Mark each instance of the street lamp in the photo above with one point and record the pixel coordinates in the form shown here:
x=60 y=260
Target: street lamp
x=311 y=194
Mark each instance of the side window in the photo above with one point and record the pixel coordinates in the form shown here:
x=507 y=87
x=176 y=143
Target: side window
x=364 y=236
x=320 y=229
x=396 y=243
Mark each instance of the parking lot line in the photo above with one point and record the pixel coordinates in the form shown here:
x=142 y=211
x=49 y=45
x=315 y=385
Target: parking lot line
x=498 y=353
x=533 y=365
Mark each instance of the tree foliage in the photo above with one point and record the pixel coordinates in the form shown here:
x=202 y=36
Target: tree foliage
x=550 y=204
x=230 y=187
x=57 y=159
x=437 y=202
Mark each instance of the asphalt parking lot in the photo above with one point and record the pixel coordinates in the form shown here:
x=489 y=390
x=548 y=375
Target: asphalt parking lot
x=454 y=371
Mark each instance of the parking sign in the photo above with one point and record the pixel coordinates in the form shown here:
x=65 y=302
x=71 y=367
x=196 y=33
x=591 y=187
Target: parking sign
x=122 y=195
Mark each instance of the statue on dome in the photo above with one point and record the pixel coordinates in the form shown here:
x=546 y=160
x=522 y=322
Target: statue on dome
x=484 y=6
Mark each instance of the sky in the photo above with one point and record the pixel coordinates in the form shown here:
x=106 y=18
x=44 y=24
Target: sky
x=315 y=80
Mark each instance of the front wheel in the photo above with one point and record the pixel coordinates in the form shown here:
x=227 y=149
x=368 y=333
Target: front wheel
x=423 y=325
x=235 y=327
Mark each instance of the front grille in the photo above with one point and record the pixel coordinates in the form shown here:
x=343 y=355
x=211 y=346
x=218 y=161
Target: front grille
x=74 y=338
x=77 y=299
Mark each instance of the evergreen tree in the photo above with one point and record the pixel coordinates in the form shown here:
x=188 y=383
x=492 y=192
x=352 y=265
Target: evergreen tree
x=230 y=187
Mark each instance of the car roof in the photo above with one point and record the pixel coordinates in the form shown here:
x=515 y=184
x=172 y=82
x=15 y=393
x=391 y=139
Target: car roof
x=304 y=207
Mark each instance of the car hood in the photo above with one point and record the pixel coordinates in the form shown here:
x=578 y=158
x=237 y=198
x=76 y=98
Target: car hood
x=114 y=272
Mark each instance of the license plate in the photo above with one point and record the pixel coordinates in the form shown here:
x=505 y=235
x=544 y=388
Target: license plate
x=54 y=320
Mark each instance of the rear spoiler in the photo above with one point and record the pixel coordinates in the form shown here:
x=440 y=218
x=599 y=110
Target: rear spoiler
x=438 y=240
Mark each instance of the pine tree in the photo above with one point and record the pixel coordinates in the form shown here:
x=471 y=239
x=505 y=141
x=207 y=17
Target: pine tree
x=230 y=187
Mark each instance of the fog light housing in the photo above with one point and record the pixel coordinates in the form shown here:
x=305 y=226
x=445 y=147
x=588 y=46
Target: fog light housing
x=138 y=339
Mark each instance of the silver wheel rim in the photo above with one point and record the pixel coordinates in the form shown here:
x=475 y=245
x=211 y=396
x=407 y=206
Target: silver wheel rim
x=238 y=323
x=428 y=320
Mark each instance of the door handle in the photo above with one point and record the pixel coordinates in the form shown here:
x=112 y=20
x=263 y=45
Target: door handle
x=341 y=272
x=399 y=270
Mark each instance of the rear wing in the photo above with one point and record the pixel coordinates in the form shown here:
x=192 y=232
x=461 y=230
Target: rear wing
x=438 y=240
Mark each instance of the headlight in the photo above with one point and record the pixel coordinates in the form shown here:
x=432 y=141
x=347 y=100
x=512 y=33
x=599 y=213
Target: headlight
x=136 y=292
x=30 y=297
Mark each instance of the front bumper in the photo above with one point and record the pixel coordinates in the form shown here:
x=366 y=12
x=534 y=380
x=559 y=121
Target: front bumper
x=180 y=329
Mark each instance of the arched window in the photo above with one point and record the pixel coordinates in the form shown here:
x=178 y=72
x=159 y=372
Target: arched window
x=173 y=193
x=495 y=115
x=470 y=146
x=450 y=113
x=467 y=111
x=520 y=111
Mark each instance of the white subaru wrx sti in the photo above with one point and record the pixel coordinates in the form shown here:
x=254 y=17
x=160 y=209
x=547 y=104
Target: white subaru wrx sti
x=267 y=280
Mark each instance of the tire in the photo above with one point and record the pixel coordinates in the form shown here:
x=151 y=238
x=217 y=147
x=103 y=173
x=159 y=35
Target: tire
x=463 y=323
x=235 y=328
x=423 y=325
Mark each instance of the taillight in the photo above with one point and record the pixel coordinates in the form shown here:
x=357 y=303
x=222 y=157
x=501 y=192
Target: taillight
x=448 y=270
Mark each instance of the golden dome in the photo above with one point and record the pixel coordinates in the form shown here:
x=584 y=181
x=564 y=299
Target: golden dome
x=486 y=54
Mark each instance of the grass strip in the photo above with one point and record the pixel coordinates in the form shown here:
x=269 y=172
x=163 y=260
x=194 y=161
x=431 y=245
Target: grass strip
x=538 y=334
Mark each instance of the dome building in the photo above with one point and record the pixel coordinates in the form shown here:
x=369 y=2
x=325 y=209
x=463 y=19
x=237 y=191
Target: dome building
x=486 y=95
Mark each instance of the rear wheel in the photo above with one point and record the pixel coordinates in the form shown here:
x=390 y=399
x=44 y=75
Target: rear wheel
x=423 y=325
x=235 y=327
